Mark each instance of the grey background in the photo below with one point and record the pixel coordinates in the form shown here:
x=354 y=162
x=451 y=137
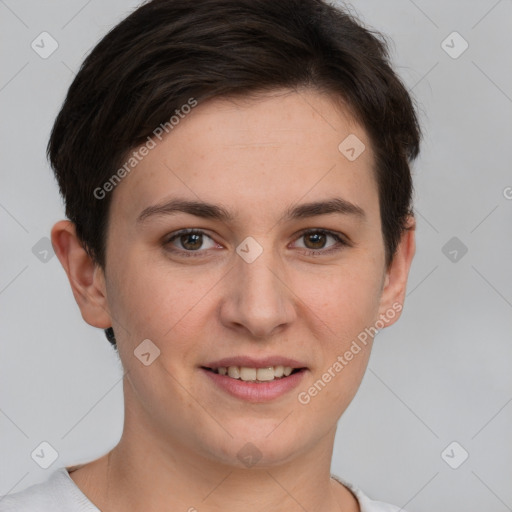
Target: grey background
x=441 y=374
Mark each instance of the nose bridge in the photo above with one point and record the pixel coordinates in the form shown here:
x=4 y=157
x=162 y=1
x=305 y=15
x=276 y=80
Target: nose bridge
x=258 y=299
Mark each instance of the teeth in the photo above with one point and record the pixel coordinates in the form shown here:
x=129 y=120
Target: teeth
x=248 y=373
x=265 y=373
x=278 y=371
x=234 y=372
x=254 y=374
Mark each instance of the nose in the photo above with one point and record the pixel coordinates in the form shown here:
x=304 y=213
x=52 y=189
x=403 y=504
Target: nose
x=258 y=299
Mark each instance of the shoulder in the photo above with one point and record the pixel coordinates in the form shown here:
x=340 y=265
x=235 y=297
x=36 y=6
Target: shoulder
x=365 y=503
x=58 y=493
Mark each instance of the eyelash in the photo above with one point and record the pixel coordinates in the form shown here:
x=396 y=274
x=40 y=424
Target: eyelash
x=309 y=252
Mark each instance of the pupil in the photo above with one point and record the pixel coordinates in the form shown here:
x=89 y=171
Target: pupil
x=188 y=237
x=317 y=235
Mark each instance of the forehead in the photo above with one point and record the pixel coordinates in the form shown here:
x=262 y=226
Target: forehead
x=255 y=155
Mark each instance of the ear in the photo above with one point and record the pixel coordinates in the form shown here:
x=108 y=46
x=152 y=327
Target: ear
x=395 y=280
x=86 y=278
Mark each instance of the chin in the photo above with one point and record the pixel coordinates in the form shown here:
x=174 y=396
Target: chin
x=260 y=446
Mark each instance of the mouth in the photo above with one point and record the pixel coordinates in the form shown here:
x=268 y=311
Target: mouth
x=255 y=374
x=255 y=379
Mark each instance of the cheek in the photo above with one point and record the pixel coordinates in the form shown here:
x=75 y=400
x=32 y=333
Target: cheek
x=344 y=309
x=345 y=298
x=159 y=303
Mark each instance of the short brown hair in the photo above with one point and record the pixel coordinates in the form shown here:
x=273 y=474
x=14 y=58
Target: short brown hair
x=168 y=51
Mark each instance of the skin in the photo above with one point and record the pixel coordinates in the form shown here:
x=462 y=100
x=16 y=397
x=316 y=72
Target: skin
x=182 y=434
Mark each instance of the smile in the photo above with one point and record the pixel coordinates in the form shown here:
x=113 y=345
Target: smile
x=254 y=384
x=247 y=374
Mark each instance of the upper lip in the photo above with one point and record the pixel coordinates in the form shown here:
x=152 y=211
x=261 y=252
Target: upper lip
x=254 y=362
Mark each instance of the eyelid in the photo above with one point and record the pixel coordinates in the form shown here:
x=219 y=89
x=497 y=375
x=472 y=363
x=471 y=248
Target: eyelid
x=187 y=231
x=336 y=234
x=341 y=242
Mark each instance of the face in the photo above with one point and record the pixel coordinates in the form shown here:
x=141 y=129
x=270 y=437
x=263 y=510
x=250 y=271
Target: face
x=275 y=284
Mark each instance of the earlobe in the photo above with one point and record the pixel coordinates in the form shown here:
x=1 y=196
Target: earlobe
x=395 y=283
x=85 y=276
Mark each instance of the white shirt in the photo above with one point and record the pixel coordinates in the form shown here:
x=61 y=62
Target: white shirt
x=59 y=493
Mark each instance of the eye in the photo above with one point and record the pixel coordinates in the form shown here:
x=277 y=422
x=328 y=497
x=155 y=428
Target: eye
x=316 y=239
x=190 y=240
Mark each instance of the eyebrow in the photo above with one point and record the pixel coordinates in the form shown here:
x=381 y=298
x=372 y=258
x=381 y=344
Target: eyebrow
x=204 y=210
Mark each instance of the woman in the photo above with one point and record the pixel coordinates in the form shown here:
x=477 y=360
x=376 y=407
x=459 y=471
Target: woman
x=238 y=193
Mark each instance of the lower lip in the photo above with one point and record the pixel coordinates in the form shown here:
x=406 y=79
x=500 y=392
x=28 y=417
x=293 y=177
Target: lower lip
x=256 y=391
